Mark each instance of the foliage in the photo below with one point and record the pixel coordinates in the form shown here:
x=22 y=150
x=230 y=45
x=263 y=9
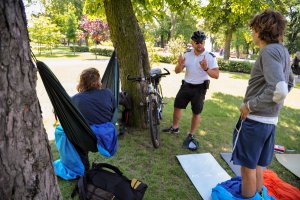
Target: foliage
x=176 y=47
x=235 y=66
x=102 y=51
x=59 y=10
x=165 y=59
x=95 y=28
x=230 y=16
x=293 y=29
x=43 y=32
x=164 y=19
x=72 y=23
x=79 y=48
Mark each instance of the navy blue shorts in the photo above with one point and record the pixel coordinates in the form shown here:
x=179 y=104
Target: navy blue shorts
x=254 y=144
x=191 y=93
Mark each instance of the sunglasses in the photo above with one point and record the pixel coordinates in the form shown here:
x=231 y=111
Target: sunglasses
x=198 y=42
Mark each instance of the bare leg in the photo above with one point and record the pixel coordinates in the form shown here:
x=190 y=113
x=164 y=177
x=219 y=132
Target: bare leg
x=248 y=182
x=176 y=117
x=259 y=178
x=195 y=122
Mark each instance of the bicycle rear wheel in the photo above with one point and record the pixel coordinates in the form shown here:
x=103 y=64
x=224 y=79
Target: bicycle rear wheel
x=154 y=122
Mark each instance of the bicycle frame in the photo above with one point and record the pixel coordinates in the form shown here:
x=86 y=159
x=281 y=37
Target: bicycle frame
x=154 y=102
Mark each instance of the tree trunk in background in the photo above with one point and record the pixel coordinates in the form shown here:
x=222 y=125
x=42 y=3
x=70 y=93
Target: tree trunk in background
x=227 y=44
x=237 y=51
x=162 y=43
x=132 y=54
x=26 y=163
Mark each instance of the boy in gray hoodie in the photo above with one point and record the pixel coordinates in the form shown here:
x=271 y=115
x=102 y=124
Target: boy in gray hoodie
x=270 y=81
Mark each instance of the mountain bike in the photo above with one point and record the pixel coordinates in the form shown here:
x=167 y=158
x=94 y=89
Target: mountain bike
x=154 y=101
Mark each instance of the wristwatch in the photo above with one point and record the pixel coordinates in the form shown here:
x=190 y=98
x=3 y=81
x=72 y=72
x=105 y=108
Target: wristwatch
x=206 y=69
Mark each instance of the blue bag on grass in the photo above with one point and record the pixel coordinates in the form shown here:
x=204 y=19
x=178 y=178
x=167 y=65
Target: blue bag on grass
x=231 y=190
x=69 y=166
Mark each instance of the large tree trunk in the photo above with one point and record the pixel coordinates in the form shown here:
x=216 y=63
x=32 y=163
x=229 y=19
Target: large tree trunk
x=132 y=53
x=228 y=35
x=25 y=158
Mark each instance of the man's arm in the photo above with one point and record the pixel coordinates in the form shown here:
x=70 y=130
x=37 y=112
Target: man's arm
x=213 y=70
x=213 y=73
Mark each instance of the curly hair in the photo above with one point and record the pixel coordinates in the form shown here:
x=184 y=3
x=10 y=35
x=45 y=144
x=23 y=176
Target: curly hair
x=269 y=25
x=89 y=79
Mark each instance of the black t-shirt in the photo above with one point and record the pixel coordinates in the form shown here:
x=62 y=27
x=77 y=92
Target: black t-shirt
x=97 y=105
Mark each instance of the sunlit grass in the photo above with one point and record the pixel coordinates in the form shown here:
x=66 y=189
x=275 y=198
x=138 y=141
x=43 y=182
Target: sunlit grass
x=297 y=85
x=239 y=75
x=65 y=52
x=160 y=169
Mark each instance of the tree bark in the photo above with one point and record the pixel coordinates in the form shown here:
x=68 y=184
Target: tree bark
x=25 y=158
x=228 y=35
x=132 y=54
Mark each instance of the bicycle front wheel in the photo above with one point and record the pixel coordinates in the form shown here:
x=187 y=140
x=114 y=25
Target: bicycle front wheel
x=154 y=122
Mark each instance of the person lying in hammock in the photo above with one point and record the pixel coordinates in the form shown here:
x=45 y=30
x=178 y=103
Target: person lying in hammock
x=95 y=104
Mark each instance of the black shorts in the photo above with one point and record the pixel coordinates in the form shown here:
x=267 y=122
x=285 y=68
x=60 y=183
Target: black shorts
x=191 y=93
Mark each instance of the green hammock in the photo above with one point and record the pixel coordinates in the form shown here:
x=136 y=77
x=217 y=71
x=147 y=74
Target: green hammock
x=74 y=124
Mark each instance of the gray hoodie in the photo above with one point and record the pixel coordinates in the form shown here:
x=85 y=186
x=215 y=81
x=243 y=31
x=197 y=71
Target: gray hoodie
x=270 y=81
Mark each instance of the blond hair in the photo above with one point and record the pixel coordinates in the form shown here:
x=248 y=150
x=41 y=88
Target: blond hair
x=89 y=79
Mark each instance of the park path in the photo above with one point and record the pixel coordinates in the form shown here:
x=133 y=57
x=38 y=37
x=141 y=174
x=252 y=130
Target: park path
x=68 y=71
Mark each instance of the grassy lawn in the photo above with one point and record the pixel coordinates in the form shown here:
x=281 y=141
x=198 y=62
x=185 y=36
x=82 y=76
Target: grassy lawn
x=297 y=85
x=160 y=169
x=239 y=76
x=65 y=52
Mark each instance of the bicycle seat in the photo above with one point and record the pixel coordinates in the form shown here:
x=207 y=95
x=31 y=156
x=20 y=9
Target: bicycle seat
x=155 y=71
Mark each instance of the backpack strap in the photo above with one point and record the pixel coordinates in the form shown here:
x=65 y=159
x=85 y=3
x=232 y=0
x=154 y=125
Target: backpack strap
x=108 y=166
x=82 y=187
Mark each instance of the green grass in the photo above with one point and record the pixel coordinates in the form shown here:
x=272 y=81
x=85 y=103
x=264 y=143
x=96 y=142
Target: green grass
x=297 y=85
x=65 y=52
x=160 y=169
x=236 y=75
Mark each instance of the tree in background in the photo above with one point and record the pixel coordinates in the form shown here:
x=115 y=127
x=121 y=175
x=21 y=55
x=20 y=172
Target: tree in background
x=176 y=47
x=59 y=11
x=230 y=16
x=43 y=32
x=72 y=25
x=167 y=19
x=26 y=162
x=293 y=29
x=96 y=29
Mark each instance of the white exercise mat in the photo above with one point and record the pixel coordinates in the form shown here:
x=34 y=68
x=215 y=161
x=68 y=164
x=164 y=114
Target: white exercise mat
x=290 y=161
x=204 y=172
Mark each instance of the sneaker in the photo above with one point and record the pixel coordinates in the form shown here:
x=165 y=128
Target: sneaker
x=171 y=130
x=190 y=143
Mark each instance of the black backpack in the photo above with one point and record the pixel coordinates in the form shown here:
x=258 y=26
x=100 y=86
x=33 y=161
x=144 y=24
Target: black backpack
x=125 y=103
x=99 y=183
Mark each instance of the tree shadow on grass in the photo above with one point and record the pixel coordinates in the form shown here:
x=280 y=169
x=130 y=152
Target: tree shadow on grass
x=160 y=169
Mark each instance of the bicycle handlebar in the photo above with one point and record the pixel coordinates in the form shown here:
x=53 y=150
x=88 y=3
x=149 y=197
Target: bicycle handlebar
x=138 y=78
